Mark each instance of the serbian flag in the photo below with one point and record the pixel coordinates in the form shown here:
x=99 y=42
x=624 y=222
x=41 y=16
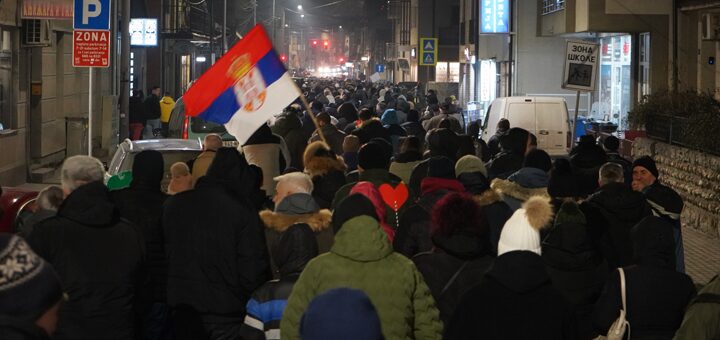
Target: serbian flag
x=245 y=88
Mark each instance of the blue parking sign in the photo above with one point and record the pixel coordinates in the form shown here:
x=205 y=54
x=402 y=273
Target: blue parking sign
x=380 y=68
x=91 y=15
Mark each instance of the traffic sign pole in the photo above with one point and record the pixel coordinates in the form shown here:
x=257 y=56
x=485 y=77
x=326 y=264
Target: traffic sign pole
x=90 y=93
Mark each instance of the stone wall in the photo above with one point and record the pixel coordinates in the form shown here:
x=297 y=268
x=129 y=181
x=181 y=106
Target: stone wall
x=694 y=175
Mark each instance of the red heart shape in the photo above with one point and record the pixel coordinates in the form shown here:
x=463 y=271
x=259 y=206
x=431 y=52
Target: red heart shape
x=394 y=197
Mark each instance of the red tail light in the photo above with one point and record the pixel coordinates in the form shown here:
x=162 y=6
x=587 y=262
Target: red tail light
x=186 y=126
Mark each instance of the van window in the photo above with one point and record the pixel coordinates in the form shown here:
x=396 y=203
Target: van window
x=522 y=115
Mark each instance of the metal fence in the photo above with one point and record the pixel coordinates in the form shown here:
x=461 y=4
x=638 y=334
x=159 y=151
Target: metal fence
x=683 y=131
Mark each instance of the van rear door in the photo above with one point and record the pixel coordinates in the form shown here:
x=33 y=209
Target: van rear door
x=522 y=114
x=552 y=127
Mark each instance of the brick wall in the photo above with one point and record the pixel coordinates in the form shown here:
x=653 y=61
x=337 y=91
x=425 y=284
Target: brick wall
x=694 y=175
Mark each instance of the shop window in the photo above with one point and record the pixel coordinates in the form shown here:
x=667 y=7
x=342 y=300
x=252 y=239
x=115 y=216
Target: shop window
x=614 y=97
x=447 y=72
x=644 y=67
x=6 y=98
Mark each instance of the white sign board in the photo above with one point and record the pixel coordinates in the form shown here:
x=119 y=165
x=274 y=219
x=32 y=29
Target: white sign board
x=581 y=65
x=375 y=77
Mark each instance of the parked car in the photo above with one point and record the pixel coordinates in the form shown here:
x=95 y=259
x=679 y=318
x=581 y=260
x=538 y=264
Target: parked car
x=183 y=127
x=546 y=117
x=15 y=203
x=119 y=171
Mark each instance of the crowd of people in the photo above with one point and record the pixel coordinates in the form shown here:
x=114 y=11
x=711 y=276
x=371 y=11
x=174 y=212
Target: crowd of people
x=383 y=222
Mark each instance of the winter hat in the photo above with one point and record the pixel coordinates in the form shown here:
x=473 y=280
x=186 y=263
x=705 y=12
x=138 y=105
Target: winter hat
x=521 y=231
x=562 y=183
x=373 y=155
x=469 y=164
x=28 y=285
x=538 y=159
x=341 y=313
x=441 y=167
x=297 y=204
x=648 y=163
x=611 y=143
x=352 y=206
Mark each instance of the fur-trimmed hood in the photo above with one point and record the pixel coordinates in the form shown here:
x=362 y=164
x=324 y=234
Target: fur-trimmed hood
x=279 y=222
x=319 y=161
x=516 y=191
x=488 y=197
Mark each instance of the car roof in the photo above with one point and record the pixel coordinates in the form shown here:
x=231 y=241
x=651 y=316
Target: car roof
x=164 y=145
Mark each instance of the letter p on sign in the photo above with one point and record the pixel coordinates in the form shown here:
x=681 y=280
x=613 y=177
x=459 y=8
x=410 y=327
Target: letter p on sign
x=91 y=15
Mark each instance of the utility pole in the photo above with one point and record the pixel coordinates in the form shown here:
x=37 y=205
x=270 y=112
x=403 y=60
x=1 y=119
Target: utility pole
x=224 y=28
x=254 y=12
x=273 y=24
x=124 y=62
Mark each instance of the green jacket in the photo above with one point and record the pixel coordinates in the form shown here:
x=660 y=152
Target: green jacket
x=363 y=258
x=702 y=318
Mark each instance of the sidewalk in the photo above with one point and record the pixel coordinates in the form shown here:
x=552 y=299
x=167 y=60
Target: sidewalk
x=702 y=255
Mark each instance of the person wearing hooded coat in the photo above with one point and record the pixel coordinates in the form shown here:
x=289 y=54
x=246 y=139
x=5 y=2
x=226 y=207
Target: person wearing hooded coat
x=531 y=180
x=370 y=127
x=516 y=299
x=362 y=258
x=98 y=255
x=333 y=136
x=326 y=170
x=611 y=212
x=413 y=234
x=410 y=156
x=413 y=127
x=586 y=159
x=461 y=253
x=471 y=172
x=390 y=122
x=511 y=156
x=296 y=247
x=348 y=116
x=270 y=153
x=216 y=246
x=142 y=204
x=575 y=267
x=289 y=127
x=701 y=320
x=656 y=294
x=440 y=142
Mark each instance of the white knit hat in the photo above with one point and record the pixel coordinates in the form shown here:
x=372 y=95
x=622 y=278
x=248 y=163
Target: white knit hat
x=521 y=231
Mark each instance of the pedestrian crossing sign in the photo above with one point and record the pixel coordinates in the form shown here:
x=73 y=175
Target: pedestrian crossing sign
x=428 y=51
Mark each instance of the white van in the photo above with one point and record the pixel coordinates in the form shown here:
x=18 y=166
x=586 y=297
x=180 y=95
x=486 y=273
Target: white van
x=546 y=117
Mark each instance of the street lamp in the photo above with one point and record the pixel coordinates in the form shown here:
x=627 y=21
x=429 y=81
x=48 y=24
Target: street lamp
x=299 y=7
x=302 y=16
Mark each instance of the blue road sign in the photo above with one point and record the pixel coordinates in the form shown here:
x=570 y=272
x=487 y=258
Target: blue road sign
x=495 y=16
x=91 y=15
x=428 y=58
x=428 y=51
x=380 y=68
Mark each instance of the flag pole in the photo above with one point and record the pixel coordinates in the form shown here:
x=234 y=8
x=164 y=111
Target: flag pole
x=312 y=115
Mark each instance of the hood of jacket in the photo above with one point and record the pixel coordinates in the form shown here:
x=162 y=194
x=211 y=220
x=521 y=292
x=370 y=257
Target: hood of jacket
x=443 y=142
x=488 y=197
x=390 y=117
x=296 y=247
x=317 y=221
x=91 y=205
x=664 y=200
x=322 y=165
x=167 y=100
x=148 y=170
x=531 y=178
x=514 y=141
x=520 y=271
x=517 y=191
x=361 y=239
x=432 y=184
x=588 y=156
x=474 y=182
x=348 y=111
x=619 y=200
x=286 y=123
x=462 y=244
x=229 y=170
x=654 y=243
x=297 y=204
x=568 y=245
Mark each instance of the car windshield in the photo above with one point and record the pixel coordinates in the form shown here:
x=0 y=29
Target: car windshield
x=169 y=158
x=198 y=125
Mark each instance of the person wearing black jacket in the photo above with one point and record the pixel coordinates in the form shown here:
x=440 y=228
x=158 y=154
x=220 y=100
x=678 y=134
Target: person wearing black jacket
x=461 y=254
x=137 y=115
x=152 y=113
x=440 y=142
x=413 y=126
x=296 y=247
x=216 y=246
x=516 y=298
x=586 y=159
x=576 y=268
x=142 y=204
x=502 y=128
x=370 y=128
x=510 y=159
x=656 y=294
x=326 y=170
x=98 y=255
x=611 y=212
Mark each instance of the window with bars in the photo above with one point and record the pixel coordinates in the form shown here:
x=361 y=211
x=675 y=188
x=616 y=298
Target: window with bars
x=551 y=6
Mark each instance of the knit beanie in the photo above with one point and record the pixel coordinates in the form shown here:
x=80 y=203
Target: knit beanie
x=648 y=163
x=522 y=230
x=538 y=159
x=469 y=164
x=441 y=167
x=28 y=285
x=352 y=206
x=373 y=155
x=341 y=313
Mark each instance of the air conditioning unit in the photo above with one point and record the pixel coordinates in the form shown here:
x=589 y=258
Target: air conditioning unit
x=711 y=26
x=36 y=33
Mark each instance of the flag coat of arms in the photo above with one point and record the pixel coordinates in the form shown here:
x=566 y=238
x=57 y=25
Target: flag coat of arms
x=245 y=88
